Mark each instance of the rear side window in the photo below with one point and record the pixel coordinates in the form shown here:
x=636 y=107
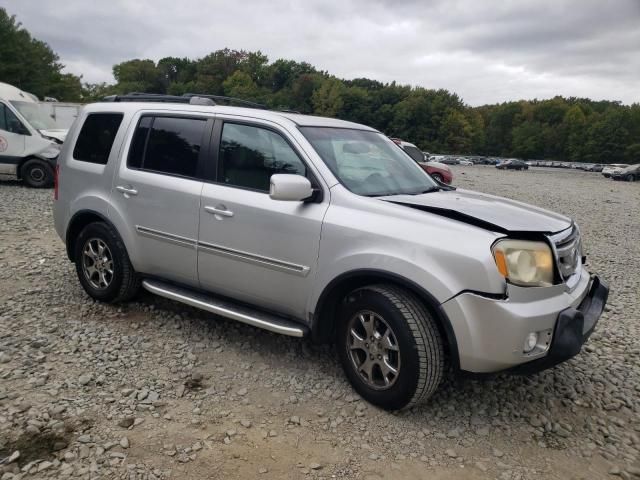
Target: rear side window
x=169 y=145
x=96 y=137
x=250 y=155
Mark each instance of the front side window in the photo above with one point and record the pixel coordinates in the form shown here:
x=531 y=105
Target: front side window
x=168 y=145
x=250 y=155
x=10 y=123
x=96 y=137
x=368 y=163
x=414 y=153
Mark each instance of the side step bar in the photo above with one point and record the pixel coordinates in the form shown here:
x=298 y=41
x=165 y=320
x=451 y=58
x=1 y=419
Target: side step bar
x=227 y=309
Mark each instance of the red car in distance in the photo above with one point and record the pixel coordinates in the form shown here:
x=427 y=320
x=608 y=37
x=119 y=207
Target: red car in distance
x=438 y=171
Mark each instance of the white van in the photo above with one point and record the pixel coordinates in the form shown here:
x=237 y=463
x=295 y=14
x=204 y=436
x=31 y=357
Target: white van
x=29 y=138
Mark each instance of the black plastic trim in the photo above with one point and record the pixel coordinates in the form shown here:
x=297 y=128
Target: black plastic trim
x=569 y=333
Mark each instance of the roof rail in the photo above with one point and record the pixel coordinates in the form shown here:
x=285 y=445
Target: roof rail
x=222 y=98
x=159 y=97
x=191 y=98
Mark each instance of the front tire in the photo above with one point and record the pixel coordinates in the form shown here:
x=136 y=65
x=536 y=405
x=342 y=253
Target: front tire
x=36 y=173
x=437 y=177
x=389 y=346
x=103 y=265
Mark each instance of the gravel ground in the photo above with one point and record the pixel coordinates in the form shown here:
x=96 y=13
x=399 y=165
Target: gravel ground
x=153 y=389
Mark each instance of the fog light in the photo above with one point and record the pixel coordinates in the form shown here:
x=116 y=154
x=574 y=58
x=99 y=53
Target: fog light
x=530 y=342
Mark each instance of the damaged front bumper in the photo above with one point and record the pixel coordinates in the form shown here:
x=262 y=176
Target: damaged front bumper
x=490 y=333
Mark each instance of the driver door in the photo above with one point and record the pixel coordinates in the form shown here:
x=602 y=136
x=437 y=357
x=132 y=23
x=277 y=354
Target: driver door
x=12 y=141
x=250 y=247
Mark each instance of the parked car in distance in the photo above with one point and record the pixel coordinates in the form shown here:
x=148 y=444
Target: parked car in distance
x=450 y=161
x=466 y=162
x=608 y=169
x=311 y=226
x=512 y=164
x=595 y=167
x=628 y=174
x=438 y=171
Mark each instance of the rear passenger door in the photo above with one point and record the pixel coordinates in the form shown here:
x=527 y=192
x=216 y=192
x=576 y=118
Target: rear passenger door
x=253 y=248
x=156 y=193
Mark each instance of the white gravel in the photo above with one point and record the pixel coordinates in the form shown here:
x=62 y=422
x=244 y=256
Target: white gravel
x=153 y=389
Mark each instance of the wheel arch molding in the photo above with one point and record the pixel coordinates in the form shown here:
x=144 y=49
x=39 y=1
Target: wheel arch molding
x=323 y=319
x=78 y=221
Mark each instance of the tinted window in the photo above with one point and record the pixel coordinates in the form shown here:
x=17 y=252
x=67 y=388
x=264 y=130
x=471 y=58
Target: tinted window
x=172 y=146
x=96 y=137
x=414 y=153
x=10 y=123
x=139 y=142
x=250 y=155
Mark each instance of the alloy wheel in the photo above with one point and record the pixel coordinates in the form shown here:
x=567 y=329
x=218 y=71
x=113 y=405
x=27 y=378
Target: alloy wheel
x=97 y=263
x=373 y=349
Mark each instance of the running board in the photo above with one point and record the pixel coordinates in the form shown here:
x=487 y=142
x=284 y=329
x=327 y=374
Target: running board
x=227 y=309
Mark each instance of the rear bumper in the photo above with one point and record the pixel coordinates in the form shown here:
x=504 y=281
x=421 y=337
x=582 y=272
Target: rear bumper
x=490 y=332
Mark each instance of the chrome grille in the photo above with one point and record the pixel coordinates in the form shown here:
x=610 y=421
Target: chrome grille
x=568 y=251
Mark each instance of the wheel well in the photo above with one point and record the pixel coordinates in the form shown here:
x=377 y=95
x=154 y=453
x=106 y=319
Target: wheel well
x=21 y=164
x=323 y=322
x=77 y=223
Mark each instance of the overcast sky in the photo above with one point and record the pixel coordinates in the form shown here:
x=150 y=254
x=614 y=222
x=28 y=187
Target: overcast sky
x=485 y=51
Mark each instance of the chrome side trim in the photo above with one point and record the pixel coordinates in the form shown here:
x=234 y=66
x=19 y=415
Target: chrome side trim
x=267 y=262
x=226 y=309
x=167 y=237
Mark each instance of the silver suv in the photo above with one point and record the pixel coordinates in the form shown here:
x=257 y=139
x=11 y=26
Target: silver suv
x=309 y=226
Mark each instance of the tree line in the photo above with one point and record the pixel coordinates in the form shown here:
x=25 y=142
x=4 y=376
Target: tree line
x=438 y=121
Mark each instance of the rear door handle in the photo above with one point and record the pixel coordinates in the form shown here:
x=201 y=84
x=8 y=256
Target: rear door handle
x=219 y=211
x=127 y=190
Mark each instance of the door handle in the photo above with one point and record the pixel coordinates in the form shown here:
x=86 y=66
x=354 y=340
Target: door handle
x=219 y=211
x=127 y=190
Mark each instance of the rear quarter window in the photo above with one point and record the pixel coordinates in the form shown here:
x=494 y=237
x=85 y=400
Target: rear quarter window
x=96 y=137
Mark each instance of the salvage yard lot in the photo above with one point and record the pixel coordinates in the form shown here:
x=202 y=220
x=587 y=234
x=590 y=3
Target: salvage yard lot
x=153 y=389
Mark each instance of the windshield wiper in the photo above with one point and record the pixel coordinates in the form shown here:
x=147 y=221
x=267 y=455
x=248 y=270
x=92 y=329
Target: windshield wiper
x=428 y=190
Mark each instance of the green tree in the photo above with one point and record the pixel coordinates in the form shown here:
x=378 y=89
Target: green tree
x=31 y=64
x=608 y=138
x=138 y=76
x=327 y=100
x=241 y=85
x=574 y=123
x=456 y=132
x=632 y=153
x=527 y=141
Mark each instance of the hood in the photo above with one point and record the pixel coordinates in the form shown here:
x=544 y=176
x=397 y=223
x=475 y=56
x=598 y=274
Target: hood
x=58 y=133
x=486 y=211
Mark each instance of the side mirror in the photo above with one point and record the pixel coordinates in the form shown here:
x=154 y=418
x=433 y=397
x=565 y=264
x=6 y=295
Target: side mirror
x=288 y=187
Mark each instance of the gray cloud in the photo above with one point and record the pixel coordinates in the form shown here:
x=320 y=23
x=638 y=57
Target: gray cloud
x=485 y=51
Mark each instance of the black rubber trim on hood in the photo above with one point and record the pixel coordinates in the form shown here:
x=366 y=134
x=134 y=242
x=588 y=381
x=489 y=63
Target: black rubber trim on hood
x=454 y=215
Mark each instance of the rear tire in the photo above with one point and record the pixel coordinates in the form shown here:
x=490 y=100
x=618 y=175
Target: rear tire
x=382 y=329
x=103 y=265
x=36 y=173
x=437 y=177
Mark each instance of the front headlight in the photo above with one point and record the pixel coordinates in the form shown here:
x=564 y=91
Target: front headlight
x=524 y=262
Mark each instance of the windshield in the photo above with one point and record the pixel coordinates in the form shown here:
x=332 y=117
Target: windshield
x=35 y=115
x=368 y=163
